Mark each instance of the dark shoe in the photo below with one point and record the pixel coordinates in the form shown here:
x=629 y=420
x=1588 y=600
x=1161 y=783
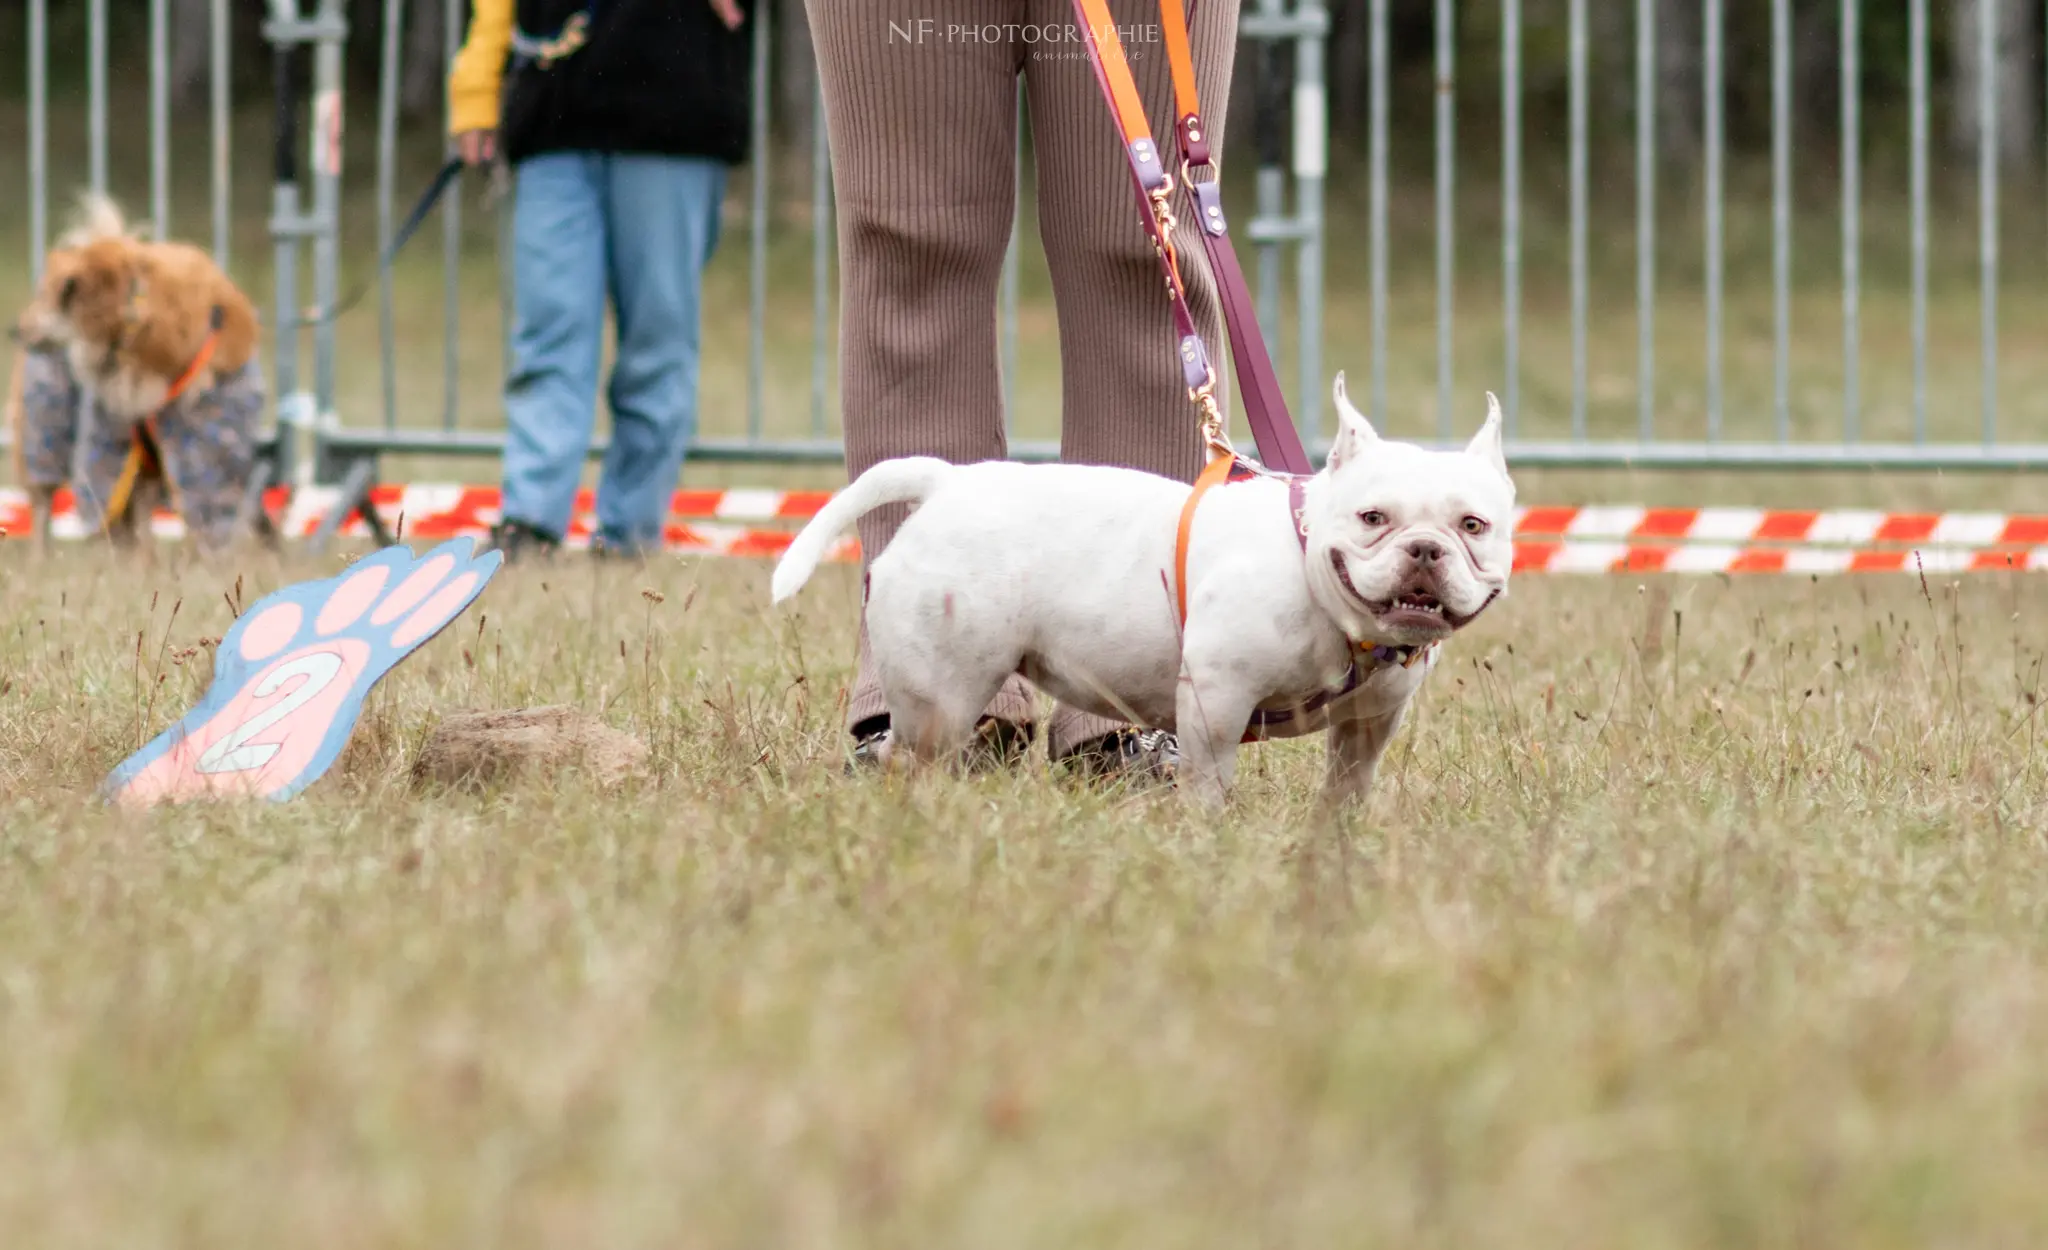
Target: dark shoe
x=518 y=540
x=870 y=745
x=997 y=744
x=612 y=550
x=1134 y=754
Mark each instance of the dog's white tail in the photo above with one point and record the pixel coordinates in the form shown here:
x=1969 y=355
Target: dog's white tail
x=908 y=480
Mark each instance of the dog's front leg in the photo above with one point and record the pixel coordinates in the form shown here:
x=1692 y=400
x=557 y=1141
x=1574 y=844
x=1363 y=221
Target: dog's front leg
x=1209 y=719
x=1356 y=744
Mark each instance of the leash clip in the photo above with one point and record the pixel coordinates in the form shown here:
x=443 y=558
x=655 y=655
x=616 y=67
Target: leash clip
x=1215 y=436
x=1162 y=243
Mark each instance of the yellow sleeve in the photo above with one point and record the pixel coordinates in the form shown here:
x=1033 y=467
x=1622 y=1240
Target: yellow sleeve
x=473 y=79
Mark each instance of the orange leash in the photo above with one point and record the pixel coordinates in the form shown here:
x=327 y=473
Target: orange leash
x=1123 y=91
x=1265 y=405
x=1180 y=58
x=143 y=454
x=193 y=370
x=1217 y=471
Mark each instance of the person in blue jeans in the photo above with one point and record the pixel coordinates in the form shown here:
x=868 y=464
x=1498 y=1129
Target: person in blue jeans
x=620 y=120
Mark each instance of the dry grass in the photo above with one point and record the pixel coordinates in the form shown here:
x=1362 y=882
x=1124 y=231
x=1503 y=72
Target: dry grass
x=1702 y=914
x=1707 y=915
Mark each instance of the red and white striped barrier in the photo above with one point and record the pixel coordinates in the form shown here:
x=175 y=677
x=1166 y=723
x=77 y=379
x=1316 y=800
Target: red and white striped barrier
x=1548 y=539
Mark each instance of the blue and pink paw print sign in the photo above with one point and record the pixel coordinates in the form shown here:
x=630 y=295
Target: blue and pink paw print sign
x=290 y=678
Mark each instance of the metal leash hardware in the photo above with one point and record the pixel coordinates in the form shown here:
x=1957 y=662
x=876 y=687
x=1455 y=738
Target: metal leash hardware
x=1162 y=241
x=1215 y=435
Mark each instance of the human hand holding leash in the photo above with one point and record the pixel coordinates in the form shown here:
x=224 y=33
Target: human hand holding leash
x=477 y=147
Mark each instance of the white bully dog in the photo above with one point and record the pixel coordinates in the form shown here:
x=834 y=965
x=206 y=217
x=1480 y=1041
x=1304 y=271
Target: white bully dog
x=1064 y=573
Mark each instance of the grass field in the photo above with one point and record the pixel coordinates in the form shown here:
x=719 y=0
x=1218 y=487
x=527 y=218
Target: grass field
x=1689 y=913
x=1701 y=914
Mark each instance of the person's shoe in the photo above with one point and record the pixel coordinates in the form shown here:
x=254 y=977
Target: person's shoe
x=518 y=541
x=614 y=551
x=1151 y=755
x=870 y=745
x=996 y=744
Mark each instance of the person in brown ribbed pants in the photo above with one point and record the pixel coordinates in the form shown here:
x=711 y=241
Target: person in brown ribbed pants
x=921 y=112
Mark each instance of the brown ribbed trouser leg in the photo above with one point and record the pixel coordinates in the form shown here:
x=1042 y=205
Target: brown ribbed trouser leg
x=922 y=120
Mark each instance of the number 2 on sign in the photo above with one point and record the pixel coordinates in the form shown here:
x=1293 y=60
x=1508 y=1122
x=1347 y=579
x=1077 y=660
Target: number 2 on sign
x=232 y=754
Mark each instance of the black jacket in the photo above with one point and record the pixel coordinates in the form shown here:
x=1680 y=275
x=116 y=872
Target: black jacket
x=661 y=77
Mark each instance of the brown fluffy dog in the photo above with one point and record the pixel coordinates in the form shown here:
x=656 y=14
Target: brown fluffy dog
x=132 y=317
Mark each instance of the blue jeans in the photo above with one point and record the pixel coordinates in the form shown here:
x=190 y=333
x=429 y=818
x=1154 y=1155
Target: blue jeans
x=640 y=229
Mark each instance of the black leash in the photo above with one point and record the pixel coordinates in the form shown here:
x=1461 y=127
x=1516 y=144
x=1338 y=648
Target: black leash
x=443 y=180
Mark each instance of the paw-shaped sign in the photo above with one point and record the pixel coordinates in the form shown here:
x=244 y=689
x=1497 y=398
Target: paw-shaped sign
x=290 y=677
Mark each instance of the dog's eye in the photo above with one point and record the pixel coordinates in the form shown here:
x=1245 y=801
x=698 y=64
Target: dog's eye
x=1373 y=517
x=1473 y=525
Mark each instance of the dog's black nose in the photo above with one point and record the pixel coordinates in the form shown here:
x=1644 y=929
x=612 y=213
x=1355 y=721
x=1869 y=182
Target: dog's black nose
x=1425 y=550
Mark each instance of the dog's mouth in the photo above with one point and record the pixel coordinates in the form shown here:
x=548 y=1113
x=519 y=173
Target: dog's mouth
x=1415 y=608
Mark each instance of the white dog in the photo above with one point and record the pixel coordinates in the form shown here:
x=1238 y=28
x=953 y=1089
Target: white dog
x=1309 y=605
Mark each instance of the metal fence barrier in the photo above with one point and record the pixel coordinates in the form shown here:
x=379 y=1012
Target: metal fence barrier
x=1288 y=145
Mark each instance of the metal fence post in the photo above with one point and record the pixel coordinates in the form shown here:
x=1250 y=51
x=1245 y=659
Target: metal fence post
x=1781 y=217
x=38 y=135
x=387 y=171
x=1916 y=42
x=1311 y=165
x=160 y=118
x=1511 y=204
x=451 y=248
x=1376 y=158
x=821 y=258
x=1852 y=227
x=285 y=228
x=1269 y=142
x=1646 y=219
x=331 y=31
x=1987 y=209
x=1577 y=157
x=1711 y=79
x=222 y=156
x=1446 y=221
x=96 y=88
x=757 y=235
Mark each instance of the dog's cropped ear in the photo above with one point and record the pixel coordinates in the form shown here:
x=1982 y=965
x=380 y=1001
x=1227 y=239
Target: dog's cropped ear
x=1486 y=444
x=1354 y=432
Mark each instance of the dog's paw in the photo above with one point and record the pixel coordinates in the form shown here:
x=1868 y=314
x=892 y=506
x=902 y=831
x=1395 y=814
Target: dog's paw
x=290 y=677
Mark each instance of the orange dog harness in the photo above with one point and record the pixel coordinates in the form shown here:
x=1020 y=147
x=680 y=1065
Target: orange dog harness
x=144 y=456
